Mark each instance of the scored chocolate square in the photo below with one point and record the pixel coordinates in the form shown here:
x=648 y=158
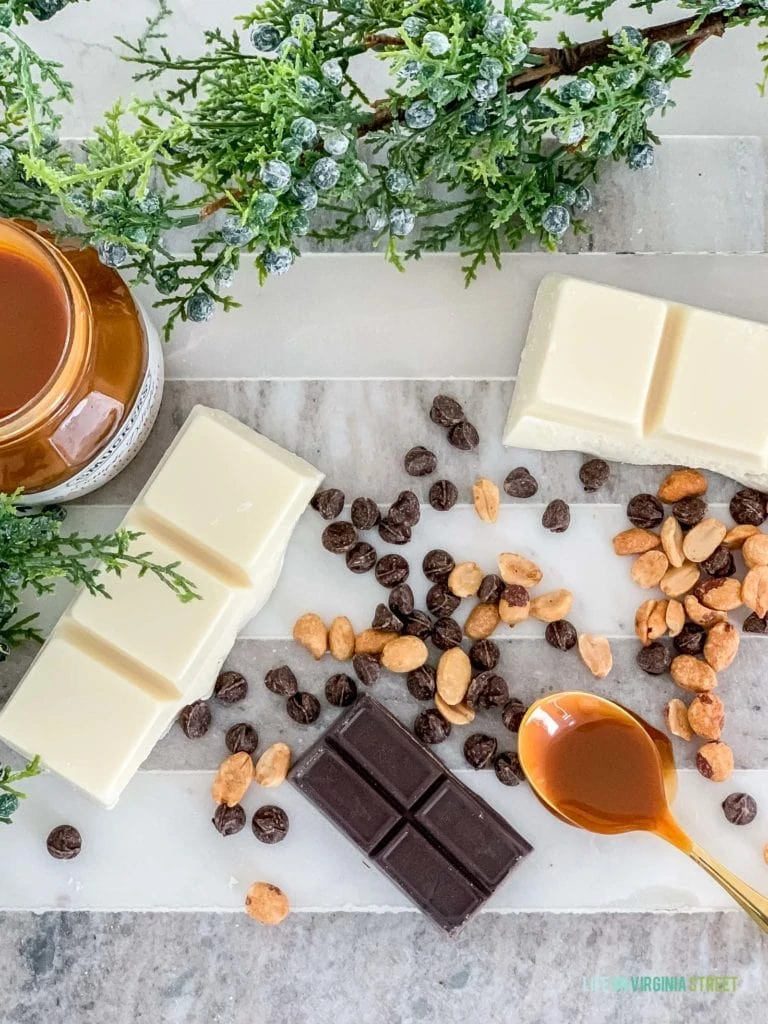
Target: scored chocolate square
x=445 y=847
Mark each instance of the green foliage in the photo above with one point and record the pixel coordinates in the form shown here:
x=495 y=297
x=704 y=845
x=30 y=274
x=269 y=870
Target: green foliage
x=9 y=795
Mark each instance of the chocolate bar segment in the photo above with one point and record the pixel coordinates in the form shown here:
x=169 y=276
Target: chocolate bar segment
x=436 y=839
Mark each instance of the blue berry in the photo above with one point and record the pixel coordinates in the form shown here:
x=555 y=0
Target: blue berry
x=224 y=277
x=420 y=115
x=414 y=26
x=332 y=71
x=497 y=27
x=234 y=232
x=440 y=92
x=437 y=43
x=300 y=223
x=150 y=203
x=291 y=149
x=401 y=221
x=305 y=194
x=659 y=54
x=6 y=16
x=276 y=174
x=278 y=261
x=45 y=9
x=565 y=194
x=656 y=92
x=491 y=68
x=9 y=803
x=640 y=156
x=580 y=89
x=625 y=78
x=475 y=122
x=6 y=157
x=556 y=220
x=167 y=280
x=265 y=37
x=727 y=5
x=335 y=143
x=570 y=135
x=484 y=89
x=325 y=173
x=289 y=46
x=137 y=234
x=112 y=254
x=102 y=202
x=583 y=201
x=303 y=24
x=397 y=181
x=200 y=308
x=375 y=219
x=264 y=206
x=309 y=88
x=410 y=70
x=304 y=130
x=604 y=144
x=628 y=34
x=518 y=51
x=79 y=200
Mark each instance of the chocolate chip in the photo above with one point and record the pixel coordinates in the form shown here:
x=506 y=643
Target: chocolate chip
x=364 y=513
x=689 y=511
x=748 y=507
x=520 y=484
x=241 y=739
x=491 y=588
x=270 y=824
x=430 y=726
x=463 y=436
x=228 y=821
x=479 y=750
x=754 y=624
x=593 y=474
x=367 y=669
x=401 y=600
x=739 y=808
x=487 y=690
x=515 y=596
x=720 y=563
x=690 y=639
x=384 y=618
x=394 y=533
x=330 y=503
x=303 y=708
x=392 y=570
x=645 y=511
x=195 y=720
x=446 y=633
x=340 y=690
x=513 y=714
x=508 y=769
x=557 y=516
x=484 y=654
x=339 y=537
x=561 y=635
x=64 y=842
x=422 y=683
x=231 y=687
x=281 y=681
x=405 y=509
x=443 y=495
x=437 y=565
x=418 y=624
x=654 y=659
x=445 y=411
x=361 y=557
x=420 y=461
x=440 y=600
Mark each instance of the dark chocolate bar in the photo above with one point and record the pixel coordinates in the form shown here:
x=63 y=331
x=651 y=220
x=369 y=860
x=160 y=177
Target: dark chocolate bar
x=436 y=839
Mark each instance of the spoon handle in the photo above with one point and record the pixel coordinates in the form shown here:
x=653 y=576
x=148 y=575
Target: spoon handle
x=748 y=898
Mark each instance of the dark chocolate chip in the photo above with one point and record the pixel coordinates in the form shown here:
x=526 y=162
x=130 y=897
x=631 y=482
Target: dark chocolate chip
x=385 y=618
x=364 y=513
x=508 y=769
x=231 y=687
x=561 y=635
x=720 y=563
x=303 y=708
x=418 y=624
x=329 y=503
x=64 y=842
x=645 y=511
x=281 y=681
x=405 y=509
x=339 y=537
x=557 y=516
x=690 y=639
x=445 y=411
x=340 y=690
x=228 y=821
x=441 y=601
x=748 y=507
x=490 y=589
x=446 y=633
x=437 y=565
x=361 y=557
x=195 y=720
x=520 y=484
x=515 y=596
x=241 y=739
x=392 y=570
x=689 y=511
x=487 y=690
x=463 y=436
x=593 y=474
x=401 y=600
x=754 y=624
x=513 y=714
x=367 y=669
x=443 y=495
x=484 y=654
x=654 y=659
x=270 y=824
x=394 y=533
x=430 y=726
x=422 y=683
x=739 y=808
x=479 y=750
x=420 y=461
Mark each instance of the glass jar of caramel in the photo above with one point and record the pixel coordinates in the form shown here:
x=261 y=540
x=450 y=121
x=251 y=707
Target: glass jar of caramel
x=81 y=368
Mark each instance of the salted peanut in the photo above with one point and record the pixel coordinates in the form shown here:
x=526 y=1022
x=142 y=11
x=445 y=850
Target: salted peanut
x=635 y=541
x=682 y=483
x=310 y=632
x=674 y=617
x=481 y=621
x=676 y=717
x=514 y=604
x=405 y=654
x=373 y=641
x=706 y=716
x=485 y=498
x=233 y=778
x=465 y=579
x=648 y=569
x=701 y=615
x=341 y=638
x=737 y=535
x=456 y=714
x=678 y=581
x=266 y=903
x=272 y=767
x=715 y=761
x=650 y=621
x=672 y=541
x=692 y=674
x=721 y=645
x=723 y=595
x=755 y=550
x=754 y=590
x=596 y=654
x=519 y=570
x=553 y=606
x=701 y=541
x=454 y=673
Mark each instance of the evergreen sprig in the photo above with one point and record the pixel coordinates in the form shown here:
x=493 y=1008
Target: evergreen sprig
x=9 y=795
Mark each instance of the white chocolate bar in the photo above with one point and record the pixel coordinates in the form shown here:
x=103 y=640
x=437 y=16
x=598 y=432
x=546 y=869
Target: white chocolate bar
x=637 y=379
x=114 y=674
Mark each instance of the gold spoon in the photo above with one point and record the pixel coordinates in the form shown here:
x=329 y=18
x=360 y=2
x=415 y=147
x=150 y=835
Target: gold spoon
x=600 y=767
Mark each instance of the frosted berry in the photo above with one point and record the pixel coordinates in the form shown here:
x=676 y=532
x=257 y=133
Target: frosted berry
x=303 y=24
x=224 y=277
x=583 y=201
x=305 y=193
x=200 y=308
x=264 y=206
x=45 y=9
x=6 y=157
x=309 y=88
x=484 y=89
x=656 y=92
x=304 y=130
x=518 y=51
x=6 y=16
x=414 y=26
x=300 y=223
x=565 y=194
x=325 y=173
x=410 y=70
x=491 y=68
x=112 y=254
x=659 y=54
x=727 y=5
x=440 y=92
x=580 y=89
x=278 y=261
x=570 y=135
x=265 y=37
x=625 y=78
x=604 y=144
x=420 y=115
x=150 y=203
x=397 y=181
x=556 y=220
x=628 y=34
x=640 y=156
x=234 y=232
x=289 y=46
x=137 y=234
x=475 y=122
x=497 y=27
x=375 y=219
x=437 y=43
x=167 y=280
x=401 y=221
x=276 y=174
x=291 y=148
x=9 y=802
x=335 y=143
x=332 y=71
